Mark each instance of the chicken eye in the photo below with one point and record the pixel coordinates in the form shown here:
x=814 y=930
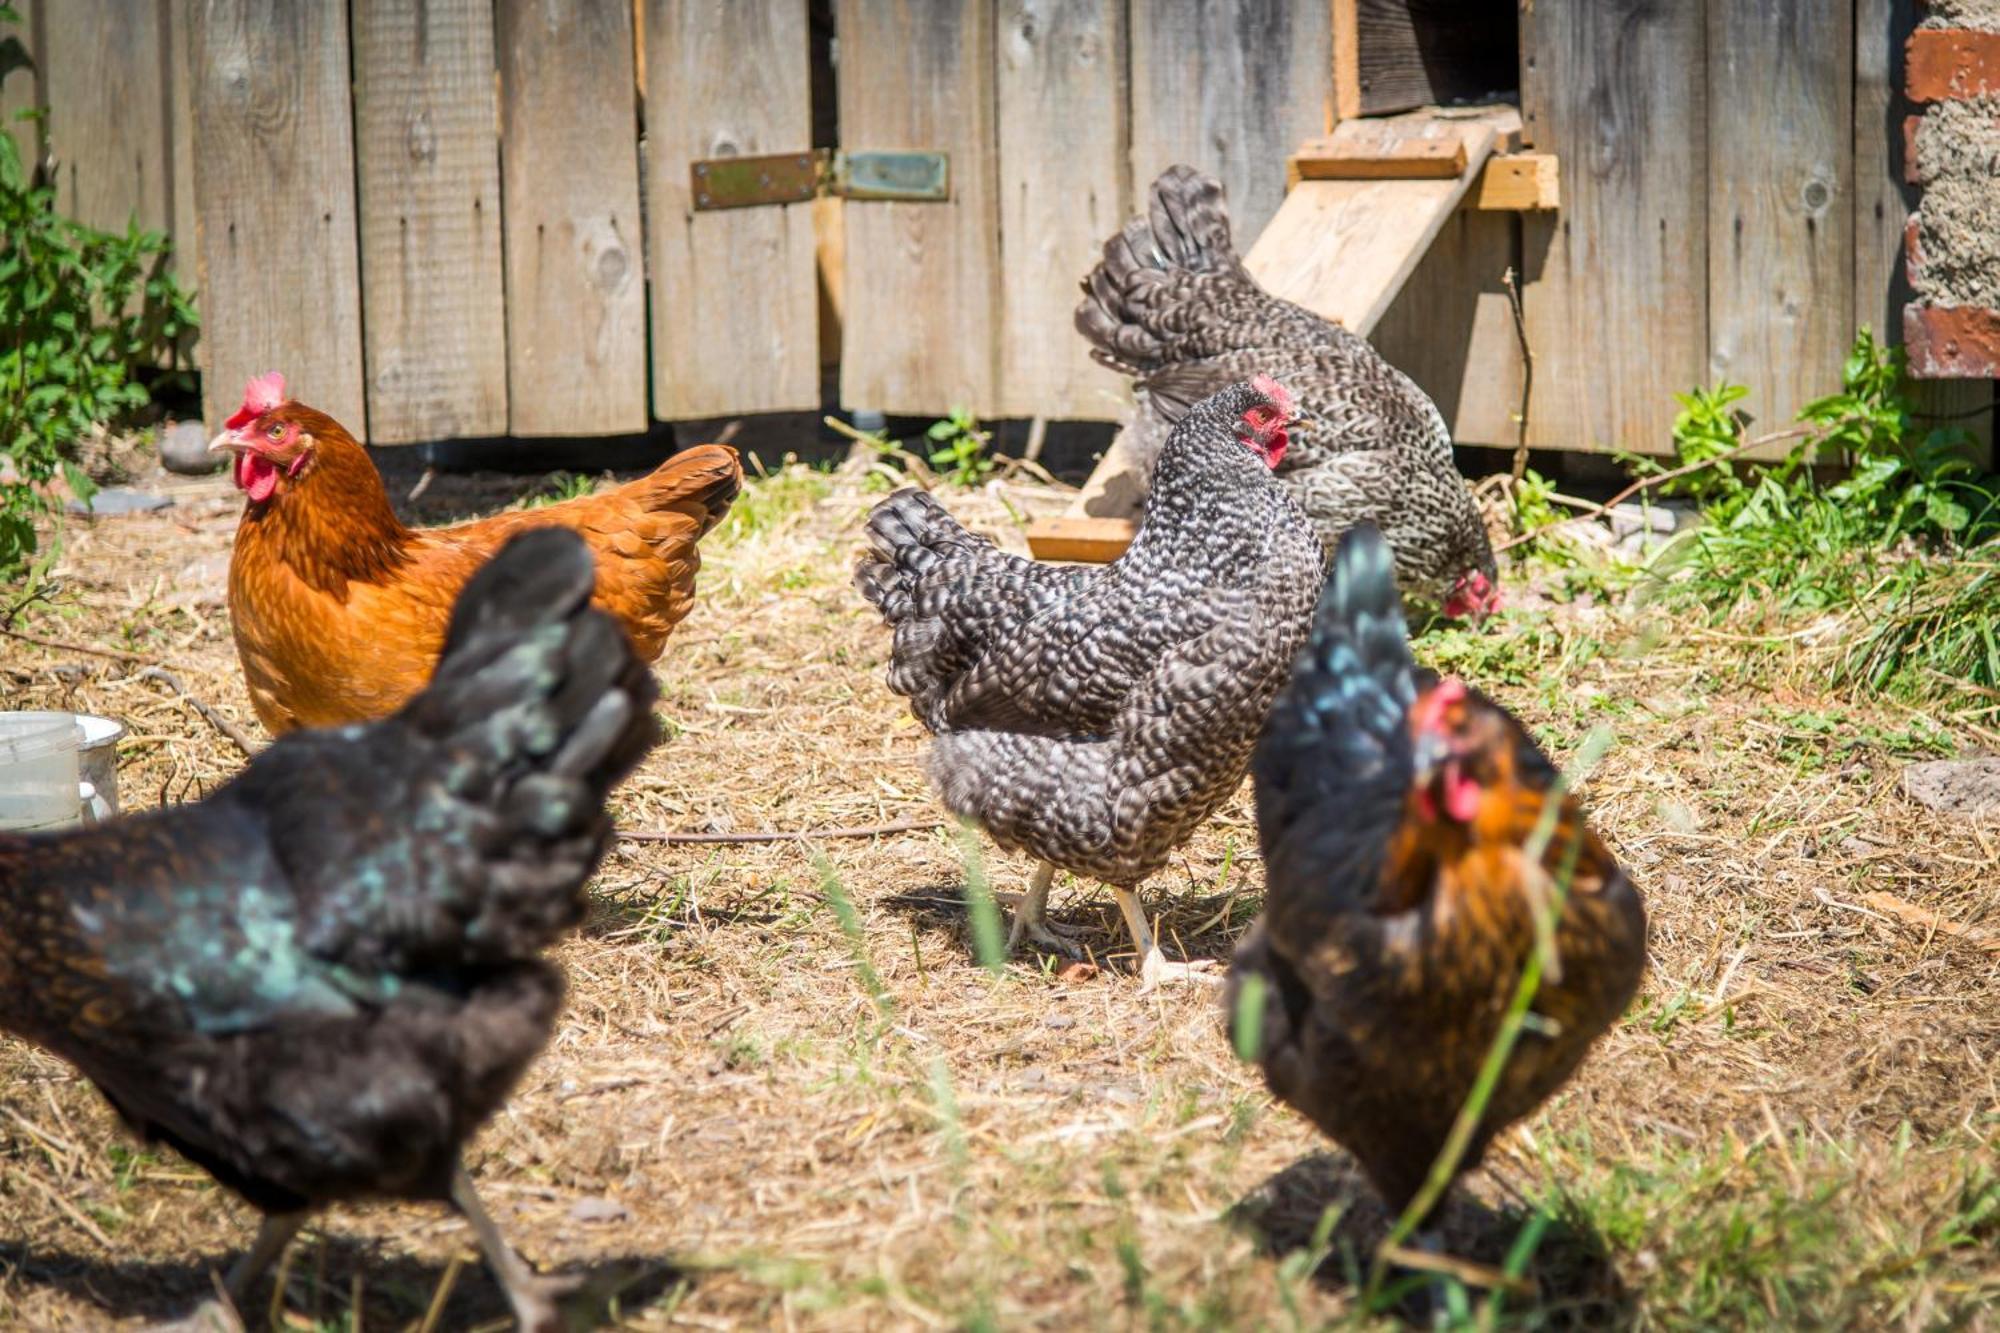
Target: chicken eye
x=276 y=430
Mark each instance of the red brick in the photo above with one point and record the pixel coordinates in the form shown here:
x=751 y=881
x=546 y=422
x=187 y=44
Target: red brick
x=1910 y=172
x=1952 y=342
x=1943 y=63
x=1913 y=250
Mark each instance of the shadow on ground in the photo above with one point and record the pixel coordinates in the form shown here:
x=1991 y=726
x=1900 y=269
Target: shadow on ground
x=1193 y=928
x=1576 y=1285
x=325 y=1276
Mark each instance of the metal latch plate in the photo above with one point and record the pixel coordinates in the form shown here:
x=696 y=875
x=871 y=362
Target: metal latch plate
x=908 y=176
x=794 y=178
x=748 y=182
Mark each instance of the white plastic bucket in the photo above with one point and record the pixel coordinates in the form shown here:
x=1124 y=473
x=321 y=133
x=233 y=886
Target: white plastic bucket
x=97 y=765
x=39 y=770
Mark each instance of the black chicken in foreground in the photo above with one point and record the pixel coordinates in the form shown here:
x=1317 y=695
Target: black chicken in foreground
x=1395 y=810
x=1095 y=717
x=1173 y=307
x=319 y=982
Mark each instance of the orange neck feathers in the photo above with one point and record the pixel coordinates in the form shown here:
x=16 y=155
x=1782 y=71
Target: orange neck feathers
x=331 y=524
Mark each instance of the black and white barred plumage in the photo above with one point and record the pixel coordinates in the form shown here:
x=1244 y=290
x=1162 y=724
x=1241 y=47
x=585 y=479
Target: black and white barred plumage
x=1172 y=306
x=1094 y=717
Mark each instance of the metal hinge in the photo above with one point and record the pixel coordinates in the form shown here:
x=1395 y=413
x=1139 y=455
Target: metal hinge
x=793 y=178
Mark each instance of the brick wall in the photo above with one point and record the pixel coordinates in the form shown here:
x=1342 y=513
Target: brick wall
x=1952 y=69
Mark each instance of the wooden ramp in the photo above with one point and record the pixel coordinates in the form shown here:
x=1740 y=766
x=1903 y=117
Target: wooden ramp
x=1365 y=203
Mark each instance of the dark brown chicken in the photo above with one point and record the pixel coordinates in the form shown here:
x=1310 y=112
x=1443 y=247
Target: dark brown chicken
x=1172 y=306
x=320 y=981
x=1395 y=811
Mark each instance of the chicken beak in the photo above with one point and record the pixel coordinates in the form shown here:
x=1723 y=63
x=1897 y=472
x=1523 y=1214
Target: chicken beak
x=227 y=441
x=1429 y=756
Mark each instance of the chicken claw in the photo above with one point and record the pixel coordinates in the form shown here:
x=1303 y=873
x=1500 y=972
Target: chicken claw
x=1031 y=916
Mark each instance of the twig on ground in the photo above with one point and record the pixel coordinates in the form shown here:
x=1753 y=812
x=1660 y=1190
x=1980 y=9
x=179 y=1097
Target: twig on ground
x=800 y=835
x=208 y=713
x=1511 y=281
x=1038 y=433
x=115 y=654
x=1657 y=479
x=920 y=471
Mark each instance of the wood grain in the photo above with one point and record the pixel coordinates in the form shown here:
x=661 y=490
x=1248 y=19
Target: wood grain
x=1392 y=55
x=105 y=81
x=180 y=144
x=1780 y=216
x=1519 y=183
x=735 y=311
x=429 y=174
x=1451 y=331
x=1063 y=189
x=1882 y=205
x=274 y=203
x=21 y=90
x=1096 y=541
x=575 y=275
x=1616 y=287
x=1343 y=248
x=1229 y=89
x=923 y=281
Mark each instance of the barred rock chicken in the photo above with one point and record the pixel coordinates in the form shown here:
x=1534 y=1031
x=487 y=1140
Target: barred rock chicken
x=317 y=983
x=1394 y=810
x=339 y=609
x=1172 y=306
x=1094 y=718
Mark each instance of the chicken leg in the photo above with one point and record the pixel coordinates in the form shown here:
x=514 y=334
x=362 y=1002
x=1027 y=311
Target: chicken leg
x=534 y=1296
x=274 y=1233
x=1154 y=969
x=1031 y=916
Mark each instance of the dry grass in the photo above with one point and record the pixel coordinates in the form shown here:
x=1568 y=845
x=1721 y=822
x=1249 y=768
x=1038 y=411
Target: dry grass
x=768 y=1122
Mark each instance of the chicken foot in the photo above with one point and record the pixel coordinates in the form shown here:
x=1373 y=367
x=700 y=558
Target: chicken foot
x=535 y=1297
x=1031 y=916
x=1154 y=967
x=274 y=1233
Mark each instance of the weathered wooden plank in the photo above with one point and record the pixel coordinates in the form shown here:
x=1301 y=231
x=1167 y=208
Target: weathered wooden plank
x=274 y=203
x=104 y=77
x=21 y=89
x=735 y=317
x=1451 y=331
x=1393 y=158
x=180 y=143
x=1391 y=55
x=923 y=280
x=1616 y=293
x=1882 y=204
x=1343 y=248
x=1519 y=183
x=1086 y=540
x=1780 y=218
x=429 y=172
x=575 y=276
x=1063 y=187
x=1230 y=89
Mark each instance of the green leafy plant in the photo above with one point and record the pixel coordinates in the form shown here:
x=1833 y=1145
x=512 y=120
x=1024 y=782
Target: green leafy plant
x=80 y=311
x=959 y=448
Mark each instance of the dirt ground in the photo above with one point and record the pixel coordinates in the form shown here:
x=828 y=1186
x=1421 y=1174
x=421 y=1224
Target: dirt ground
x=749 y=1118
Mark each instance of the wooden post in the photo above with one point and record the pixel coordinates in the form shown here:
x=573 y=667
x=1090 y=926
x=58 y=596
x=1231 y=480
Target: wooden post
x=425 y=126
x=274 y=203
x=576 y=282
x=735 y=312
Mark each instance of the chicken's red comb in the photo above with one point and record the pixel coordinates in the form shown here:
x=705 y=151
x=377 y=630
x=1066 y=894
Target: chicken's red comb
x=1429 y=711
x=1280 y=396
x=260 y=395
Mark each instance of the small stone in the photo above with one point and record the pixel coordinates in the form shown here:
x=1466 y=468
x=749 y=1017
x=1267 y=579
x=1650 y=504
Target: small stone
x=1969 y=788
x=115 y=500
x=598 y=1209
x=184 y=449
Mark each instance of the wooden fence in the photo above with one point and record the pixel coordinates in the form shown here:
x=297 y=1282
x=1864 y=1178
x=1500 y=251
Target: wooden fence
x=467 y=218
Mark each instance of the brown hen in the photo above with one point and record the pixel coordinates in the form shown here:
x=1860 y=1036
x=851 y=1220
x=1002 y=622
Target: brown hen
x=340 y=609
x=1397 y=813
